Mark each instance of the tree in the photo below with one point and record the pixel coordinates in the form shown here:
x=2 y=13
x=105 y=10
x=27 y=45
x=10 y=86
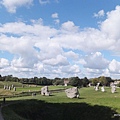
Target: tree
x=85 y=81
x=103 y=80
x=58 y=81
x=75 y=81
x=94 y=81
x=8 y=78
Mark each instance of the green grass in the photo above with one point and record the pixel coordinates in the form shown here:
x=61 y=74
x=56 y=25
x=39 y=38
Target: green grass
x=16 y=84
x=92 y=105
x=26 y=90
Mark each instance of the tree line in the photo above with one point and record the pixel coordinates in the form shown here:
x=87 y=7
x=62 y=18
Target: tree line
x=73 y=81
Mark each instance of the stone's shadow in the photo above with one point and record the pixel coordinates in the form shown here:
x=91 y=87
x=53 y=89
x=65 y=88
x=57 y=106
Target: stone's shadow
x=80 y=98
x=41 y=110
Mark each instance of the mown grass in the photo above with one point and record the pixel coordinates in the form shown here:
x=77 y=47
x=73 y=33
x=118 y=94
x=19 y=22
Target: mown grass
x=92 y=105
x=16 y=84
x=25 y=89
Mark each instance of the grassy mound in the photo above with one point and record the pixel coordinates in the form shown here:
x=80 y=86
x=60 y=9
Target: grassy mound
x=40 y=110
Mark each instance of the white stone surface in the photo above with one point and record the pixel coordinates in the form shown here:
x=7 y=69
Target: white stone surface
x=45 y=91
x=72 y=92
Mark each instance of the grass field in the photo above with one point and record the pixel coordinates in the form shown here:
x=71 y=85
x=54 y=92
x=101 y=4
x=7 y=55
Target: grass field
x=92 y=105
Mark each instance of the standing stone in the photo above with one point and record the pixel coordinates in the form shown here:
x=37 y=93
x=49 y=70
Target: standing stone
x=97 y=87
x=102 y=89
x=89 y=85
x=4 y=87
x=45 y=91
x=72 y=92
x=14 y=88
x=33 y=94
x=113 y=87
x=9 y=88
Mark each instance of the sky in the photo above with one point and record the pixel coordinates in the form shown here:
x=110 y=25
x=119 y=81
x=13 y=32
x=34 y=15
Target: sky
x=60 y=38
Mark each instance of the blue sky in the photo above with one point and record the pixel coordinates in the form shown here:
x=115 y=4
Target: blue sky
x=60 y=38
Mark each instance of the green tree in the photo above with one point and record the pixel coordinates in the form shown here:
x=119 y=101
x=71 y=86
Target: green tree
x=94 y=81
x=75 y=81
x=85 y=82
x=103 y=80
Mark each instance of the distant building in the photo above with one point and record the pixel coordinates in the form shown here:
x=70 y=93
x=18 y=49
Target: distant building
x=66 y=81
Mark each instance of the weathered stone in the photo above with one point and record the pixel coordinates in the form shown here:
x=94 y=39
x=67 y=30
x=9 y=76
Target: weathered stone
x=113 y=87
x=97 y=87
x=72 y=92
x=33 y=94
x=4 y=87
x=102 y=89
x=45 y=91
x=9 y=88
x=14 y=88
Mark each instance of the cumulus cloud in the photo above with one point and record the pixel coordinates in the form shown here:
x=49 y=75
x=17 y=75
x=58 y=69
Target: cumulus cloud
x=101 y=13
x=59 y=60
x=114 y=66
x=4 y=63
x=95 y=61
x=42 y=49
x=54 y=15
x=57 y=21
x=71 y=55
x=111 y=25
x=69 y=26
x=12 y=5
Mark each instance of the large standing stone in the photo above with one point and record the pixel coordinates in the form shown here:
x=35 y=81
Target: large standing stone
x=4 y=87
x=97 y=87
x=45 y=91
x=14 y=88
x=72 y=92
x=113 y=87
x=102 y=89
x=9 y=88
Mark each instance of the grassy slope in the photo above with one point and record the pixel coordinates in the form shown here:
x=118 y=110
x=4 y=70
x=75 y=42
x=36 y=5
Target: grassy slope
x=92 y=105
x=16 y=84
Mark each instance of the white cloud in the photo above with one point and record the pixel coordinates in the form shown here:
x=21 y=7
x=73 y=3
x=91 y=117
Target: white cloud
x=12 y=5
x=101 y=13
x=71 y=55
x=69 y=26
x=106 y=73
x=59 y=61
x=39 y=66
x=20 y=28
x=114 y=66
x=40 y=49
x=70 y=70
x=54 y=15
x=4 y=63
x=111 y=25
x=57 y=21
x=44 y=1
x=96 y=61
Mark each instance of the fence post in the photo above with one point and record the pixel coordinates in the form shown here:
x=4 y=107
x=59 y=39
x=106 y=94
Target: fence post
x=3 y=100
